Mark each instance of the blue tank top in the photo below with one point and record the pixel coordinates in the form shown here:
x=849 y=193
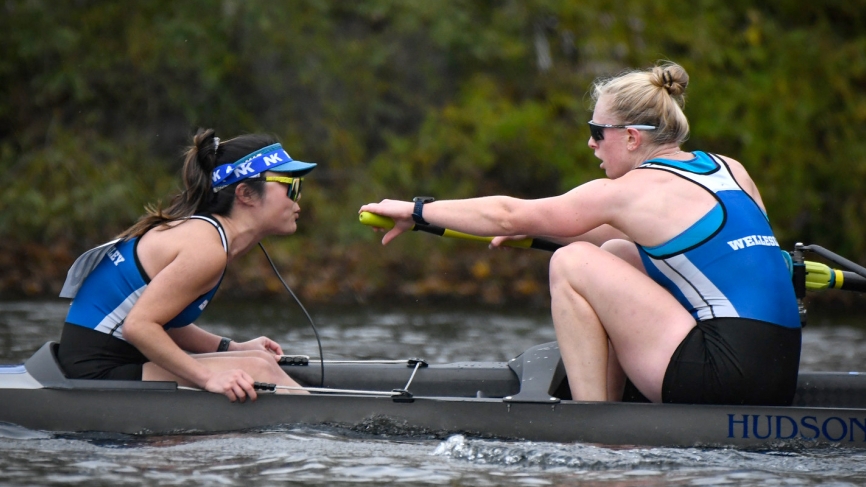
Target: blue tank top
x=728 y=264
x=112 y=286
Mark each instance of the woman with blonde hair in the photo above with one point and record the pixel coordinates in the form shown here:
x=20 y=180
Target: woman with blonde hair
x=135 y=299
x=672 y=278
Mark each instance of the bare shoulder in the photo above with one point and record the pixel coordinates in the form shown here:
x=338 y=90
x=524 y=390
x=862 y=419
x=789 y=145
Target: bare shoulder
x=739 y=171
x=598 y=192
x=202 y=234
x=194 y=243
x=183 y=261
x=735 y=165
x=744 y=179
x=641 y=181
x=606 y=198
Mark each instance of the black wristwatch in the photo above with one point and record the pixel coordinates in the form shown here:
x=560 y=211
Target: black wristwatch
x=420 y=201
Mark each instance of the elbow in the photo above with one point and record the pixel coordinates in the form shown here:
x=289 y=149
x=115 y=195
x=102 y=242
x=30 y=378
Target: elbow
x=507 y=226
x=506 y=217
x=133 y=331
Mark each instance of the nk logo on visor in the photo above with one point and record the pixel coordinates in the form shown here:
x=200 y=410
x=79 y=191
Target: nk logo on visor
x=249 y=166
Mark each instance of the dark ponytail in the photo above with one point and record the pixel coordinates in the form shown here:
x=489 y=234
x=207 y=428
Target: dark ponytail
x=205 y=154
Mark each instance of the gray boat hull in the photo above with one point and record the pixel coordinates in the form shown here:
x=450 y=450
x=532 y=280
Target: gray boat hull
x=831 y=408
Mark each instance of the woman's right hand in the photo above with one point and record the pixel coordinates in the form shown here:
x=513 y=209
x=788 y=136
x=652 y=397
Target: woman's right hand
x=235 y=384
x=264 y=344
x=498 y=242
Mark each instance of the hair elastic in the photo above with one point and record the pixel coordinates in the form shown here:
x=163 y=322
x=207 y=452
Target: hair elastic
x=667 y=79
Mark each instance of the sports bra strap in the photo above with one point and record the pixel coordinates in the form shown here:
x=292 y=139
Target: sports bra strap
x=216 y=224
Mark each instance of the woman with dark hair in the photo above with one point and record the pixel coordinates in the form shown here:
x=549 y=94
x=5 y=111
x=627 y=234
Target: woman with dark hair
x=135 y=298
x=672 y=278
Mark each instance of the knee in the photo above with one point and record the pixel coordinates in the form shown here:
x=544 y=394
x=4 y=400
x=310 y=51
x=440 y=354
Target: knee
x=263 y=366
x=565 y=259
x=261 y=355
x=570 y=255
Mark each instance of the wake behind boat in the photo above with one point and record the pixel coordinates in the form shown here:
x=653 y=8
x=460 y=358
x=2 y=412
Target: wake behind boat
x=525 y=398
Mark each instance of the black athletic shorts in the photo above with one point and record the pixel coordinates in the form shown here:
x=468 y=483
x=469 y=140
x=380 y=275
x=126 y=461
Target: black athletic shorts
x=734 y=361
x=90 y=354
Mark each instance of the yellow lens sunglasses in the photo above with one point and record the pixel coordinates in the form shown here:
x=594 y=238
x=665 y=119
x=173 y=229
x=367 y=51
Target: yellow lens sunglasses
x=294 y=192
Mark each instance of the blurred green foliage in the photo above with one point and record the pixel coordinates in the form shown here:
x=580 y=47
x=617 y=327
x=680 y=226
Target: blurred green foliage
x=455 y=98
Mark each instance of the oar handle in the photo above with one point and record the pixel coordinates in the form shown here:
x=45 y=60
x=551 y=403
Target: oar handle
x=821 y=276
x=818 y=276
x=837 y=259
x=378 y=221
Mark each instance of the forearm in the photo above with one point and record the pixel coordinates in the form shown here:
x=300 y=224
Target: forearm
x=485 y=216
x=505 y=216
x=193 y=339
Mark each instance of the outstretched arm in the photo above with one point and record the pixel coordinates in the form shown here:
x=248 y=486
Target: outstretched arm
x=567 y=216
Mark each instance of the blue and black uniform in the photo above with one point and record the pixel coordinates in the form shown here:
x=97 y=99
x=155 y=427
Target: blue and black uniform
x=110 y=281
x=727 y=270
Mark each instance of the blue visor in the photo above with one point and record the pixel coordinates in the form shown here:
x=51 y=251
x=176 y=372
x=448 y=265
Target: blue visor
x=270 y=158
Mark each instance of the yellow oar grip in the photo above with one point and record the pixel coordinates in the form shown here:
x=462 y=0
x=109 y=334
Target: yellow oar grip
x=374 y=220
x=378 y=221
x=465 y=236
x=523 y=243
x=817 y=275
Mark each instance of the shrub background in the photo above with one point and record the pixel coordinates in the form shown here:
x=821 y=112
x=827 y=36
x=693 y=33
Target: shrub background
x=392 y=98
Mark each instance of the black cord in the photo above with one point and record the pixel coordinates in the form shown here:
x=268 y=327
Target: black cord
x=315 y=331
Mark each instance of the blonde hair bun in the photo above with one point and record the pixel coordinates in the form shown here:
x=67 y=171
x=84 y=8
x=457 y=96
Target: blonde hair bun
x=672 y=77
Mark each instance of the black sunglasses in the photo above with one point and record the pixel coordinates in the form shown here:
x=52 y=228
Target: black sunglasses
x=596 y=130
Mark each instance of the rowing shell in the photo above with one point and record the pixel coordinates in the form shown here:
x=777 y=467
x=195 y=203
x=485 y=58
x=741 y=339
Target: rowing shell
x=520 y=399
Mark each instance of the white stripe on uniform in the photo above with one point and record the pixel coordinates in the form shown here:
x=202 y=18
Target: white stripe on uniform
x=696 y=287
x=119 y=314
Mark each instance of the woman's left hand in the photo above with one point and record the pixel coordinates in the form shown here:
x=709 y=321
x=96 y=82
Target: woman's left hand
x=399 y=211
x=261 y=343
